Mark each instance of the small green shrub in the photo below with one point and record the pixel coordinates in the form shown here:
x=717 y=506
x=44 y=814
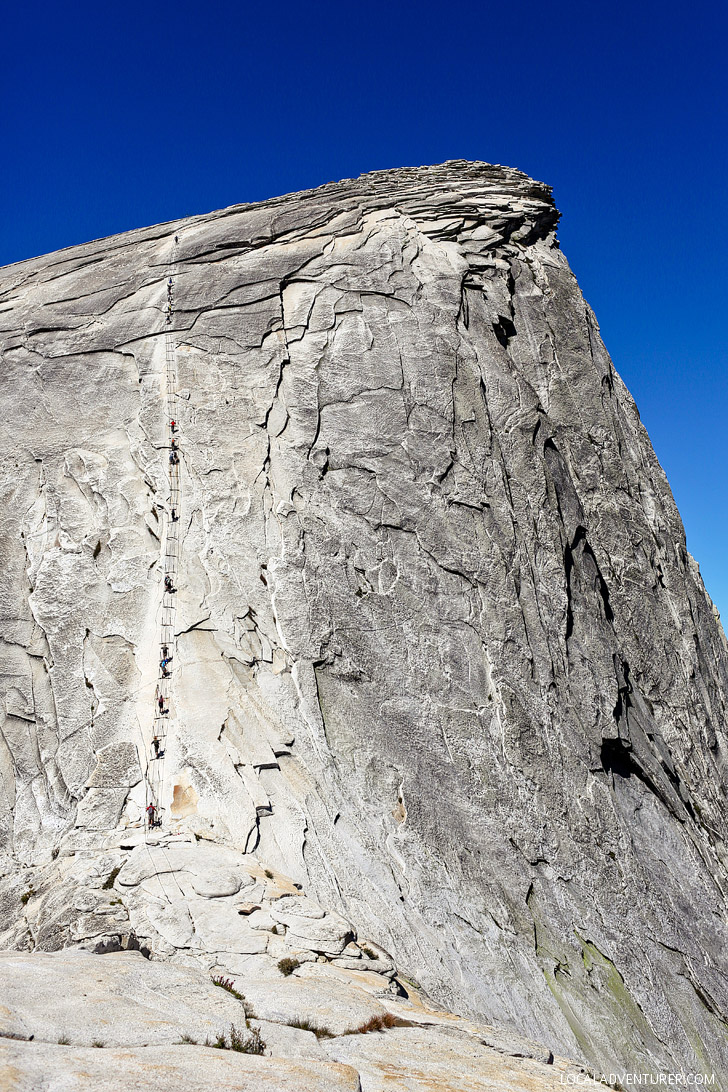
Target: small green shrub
x=244 y=1044
x=27 y=896
x=227 y=984
x=188 y=1040
x=267 y=872
x=368 y=952
x=64 y=1041
x=251 y=1044
x=287 y=965
x=97 y=1043
x=110 y=879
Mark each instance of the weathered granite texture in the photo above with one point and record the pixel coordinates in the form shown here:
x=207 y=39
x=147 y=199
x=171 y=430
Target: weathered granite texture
x=71 y=1021
x=442 y=656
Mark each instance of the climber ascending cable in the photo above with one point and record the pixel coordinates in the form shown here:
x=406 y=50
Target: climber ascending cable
x=156 y=745
x=168 y=586
x=151 y=812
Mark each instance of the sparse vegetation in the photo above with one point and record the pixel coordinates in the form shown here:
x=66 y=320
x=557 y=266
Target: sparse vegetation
x=268 y=873
x=97 y=1043
x=27 y=896
x=380 y=1023
x=288 y=965
x=110 y=879
x=251 y=1044
x=377 y=1023
x=229 y=985
x=187 y=1040
x=237 y=1040
x=368 y=952
x=306 y=1025
x=64 y=1041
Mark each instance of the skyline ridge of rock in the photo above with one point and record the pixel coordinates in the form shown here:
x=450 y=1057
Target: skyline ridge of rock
x=441 y=656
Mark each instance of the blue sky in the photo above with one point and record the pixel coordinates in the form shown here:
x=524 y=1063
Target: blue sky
x=120 y=115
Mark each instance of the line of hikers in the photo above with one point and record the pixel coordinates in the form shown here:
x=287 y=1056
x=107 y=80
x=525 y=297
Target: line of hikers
x=157 y=747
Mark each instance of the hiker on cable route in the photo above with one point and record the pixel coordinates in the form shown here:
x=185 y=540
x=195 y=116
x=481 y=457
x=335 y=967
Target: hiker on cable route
x=151 y=813
x=156 y=744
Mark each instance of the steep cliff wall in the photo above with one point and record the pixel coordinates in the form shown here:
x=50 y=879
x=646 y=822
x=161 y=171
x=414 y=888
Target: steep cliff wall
x=440 y=653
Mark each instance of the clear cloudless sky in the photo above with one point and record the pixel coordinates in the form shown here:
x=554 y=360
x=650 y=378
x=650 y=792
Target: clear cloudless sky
x=118 y=115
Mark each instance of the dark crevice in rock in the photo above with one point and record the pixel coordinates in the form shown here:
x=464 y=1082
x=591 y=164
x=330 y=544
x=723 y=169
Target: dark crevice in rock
x=624 y=689
x=617 y=758
x=130 y=943
x=504 y=330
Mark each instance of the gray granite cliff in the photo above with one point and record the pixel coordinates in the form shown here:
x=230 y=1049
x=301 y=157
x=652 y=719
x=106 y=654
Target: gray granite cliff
x=443 y=673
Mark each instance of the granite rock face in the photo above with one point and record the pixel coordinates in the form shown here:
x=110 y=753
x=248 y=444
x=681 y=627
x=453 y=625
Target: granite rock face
x=441 y=657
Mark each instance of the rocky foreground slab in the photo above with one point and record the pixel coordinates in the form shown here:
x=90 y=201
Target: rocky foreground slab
x=73 y=1021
